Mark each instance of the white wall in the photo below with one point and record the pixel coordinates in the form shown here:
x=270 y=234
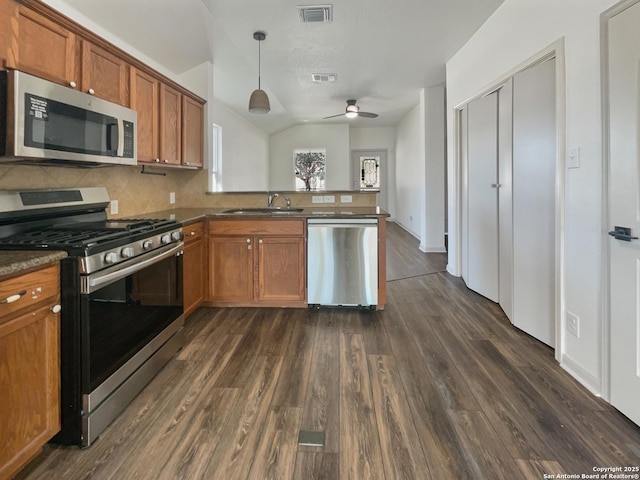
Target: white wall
x=516 y=31
x=245 y=152
x=410 y=172
x=379 y=138
x=335 y=138
x=432 y=100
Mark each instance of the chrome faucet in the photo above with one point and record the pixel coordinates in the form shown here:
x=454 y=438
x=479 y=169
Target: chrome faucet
x=272 y=197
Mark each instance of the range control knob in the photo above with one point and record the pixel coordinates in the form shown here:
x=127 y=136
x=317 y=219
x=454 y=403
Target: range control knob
x=147 y=244
x=164 y=239
x=176 y=236
x=127 y=252
x=111 y=257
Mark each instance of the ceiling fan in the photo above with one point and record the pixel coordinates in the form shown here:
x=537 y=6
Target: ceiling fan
x=353 y=111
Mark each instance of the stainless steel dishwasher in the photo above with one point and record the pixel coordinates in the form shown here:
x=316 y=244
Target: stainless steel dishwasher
x=342 y=262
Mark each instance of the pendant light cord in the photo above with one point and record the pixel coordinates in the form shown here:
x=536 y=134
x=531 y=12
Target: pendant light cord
x=259 y=63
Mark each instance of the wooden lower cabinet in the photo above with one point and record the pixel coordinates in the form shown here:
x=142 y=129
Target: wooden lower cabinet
x=257 y=262
x=194 y=266
x=29 y=367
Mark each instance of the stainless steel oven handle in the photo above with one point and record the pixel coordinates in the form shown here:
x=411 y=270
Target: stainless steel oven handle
x=99 y=279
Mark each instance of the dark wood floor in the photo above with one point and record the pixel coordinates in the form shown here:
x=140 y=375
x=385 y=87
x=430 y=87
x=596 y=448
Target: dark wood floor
x=437 y=386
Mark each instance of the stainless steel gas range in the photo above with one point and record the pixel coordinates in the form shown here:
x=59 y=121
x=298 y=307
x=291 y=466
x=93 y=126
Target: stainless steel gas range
x=121 y=297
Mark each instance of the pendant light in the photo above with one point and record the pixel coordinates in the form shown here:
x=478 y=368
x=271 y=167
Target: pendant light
x=259 y=102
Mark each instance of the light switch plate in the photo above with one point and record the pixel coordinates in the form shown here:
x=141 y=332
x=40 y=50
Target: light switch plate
x=329 y=199
x=317 y=199
x=113 y=207
x=172 y=197
x=573 y=158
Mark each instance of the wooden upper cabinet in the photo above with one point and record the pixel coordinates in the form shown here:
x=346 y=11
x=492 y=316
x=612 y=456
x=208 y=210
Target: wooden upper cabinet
x=9 y=11
x=192 y=132
x=45 y=49
x=145 y=98
x=170 y=125
x=104 y=74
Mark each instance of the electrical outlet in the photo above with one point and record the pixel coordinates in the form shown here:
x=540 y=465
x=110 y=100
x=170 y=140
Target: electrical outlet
x=113 y=207
x=329 y=199
x=346 y=199
x=172 y=197
x=317 y=199
x=573 y=324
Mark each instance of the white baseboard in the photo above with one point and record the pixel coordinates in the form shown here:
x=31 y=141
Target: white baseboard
x=591 y=383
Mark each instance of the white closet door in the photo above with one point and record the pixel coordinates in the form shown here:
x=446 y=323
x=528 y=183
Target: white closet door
x=482 y=206
x=534 y=173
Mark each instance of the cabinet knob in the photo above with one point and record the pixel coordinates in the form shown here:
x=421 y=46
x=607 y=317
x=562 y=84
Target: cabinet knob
x=91 y=91
x=192 y=233
x=73 y=84
x=157 y=160
x=260 y=241
x=248 y=240
x=166 y=161
x=14 y=298
x=56 y=309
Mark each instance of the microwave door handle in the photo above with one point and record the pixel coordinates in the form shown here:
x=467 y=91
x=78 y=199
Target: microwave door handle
x=120 y=151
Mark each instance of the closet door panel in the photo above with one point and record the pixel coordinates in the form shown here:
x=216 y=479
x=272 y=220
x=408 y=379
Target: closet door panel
x=483 y=196
x=534 y=173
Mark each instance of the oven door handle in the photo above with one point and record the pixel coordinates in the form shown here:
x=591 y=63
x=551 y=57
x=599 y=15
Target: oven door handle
x=98 y=280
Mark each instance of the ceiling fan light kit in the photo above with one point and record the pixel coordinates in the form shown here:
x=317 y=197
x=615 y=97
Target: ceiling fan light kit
x=353 y=111
x=259 y=101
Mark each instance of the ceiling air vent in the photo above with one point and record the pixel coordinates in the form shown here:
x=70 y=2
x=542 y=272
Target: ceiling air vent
x=324 y=77
x=315 y=13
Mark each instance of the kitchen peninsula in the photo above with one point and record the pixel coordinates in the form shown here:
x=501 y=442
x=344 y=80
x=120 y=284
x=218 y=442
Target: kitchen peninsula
x=258 y=258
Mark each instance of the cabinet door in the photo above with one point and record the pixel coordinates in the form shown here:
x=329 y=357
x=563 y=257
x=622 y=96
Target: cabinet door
x=104 y=74
x=144 y=100
x=192 y=132
x=170 y=125
x=194 y=267
x=9 y=11
x=45 y=49
x=231 y=269
x=281 y=269
x=29 y=387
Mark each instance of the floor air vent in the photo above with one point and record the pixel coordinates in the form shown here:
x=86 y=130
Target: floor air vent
x=315 y=13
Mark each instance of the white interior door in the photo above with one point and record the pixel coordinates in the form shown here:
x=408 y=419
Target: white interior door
x=533 y=186
x=482 y=196
x=624 y=211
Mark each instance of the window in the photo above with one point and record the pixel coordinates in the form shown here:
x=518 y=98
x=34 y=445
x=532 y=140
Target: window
x=369 y=172
x=215 y=167
x=309 y=167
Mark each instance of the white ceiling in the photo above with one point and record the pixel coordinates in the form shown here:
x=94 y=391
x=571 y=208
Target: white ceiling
x=383 y=51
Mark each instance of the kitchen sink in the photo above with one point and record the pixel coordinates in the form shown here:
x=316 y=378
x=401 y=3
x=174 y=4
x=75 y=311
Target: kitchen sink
x=277 y=210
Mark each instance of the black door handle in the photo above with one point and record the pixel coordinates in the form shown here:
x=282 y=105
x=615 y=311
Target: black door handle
x=622 y=233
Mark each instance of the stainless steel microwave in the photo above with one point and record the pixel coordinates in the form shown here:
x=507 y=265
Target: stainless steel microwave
x=43 y=122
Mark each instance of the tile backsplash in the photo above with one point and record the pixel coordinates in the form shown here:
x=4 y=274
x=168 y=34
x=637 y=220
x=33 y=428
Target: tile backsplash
x=138 y=194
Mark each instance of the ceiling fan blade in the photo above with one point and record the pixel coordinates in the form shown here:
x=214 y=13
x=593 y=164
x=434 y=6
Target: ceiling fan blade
x=333 y=116
x=367 y=114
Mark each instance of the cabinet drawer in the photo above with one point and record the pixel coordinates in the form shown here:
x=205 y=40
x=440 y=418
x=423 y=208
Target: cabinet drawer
x=37 y=286
x=193 y=232
x=294 y=226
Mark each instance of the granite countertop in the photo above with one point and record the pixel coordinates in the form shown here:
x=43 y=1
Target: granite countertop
x=15 y=261
x=191 y=215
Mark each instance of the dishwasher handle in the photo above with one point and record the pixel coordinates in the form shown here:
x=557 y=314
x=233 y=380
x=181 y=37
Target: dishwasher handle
x=342 y=223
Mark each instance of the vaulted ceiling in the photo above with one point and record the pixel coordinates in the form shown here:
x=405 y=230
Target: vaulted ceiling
x=382 y=51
